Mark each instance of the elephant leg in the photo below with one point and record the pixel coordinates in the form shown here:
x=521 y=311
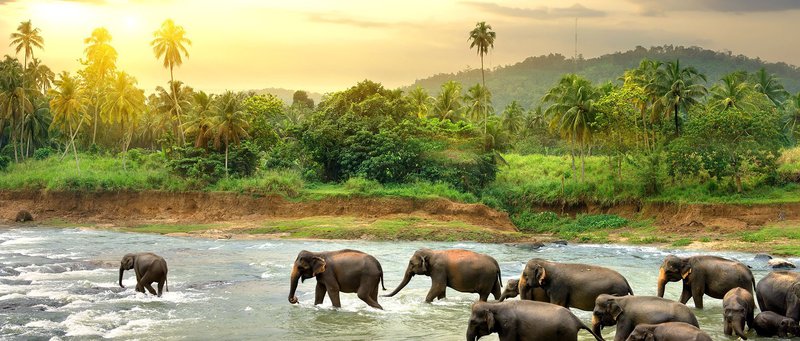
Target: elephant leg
x=437 y=290
x=147 y=282
x=497 y=291
x=697 y=295
x=442 y=296
x=334 y=295
x=364 y=293
x=161 y=287
x=319 y=294
x=686 y=294
x=484 y=297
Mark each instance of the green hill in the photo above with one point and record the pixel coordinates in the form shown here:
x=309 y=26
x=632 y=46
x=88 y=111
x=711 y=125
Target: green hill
x=286 y=95
x=527 y=81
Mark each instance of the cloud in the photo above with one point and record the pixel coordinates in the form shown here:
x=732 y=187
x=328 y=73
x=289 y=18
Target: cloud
x=576 y=10
x=660 y=7
x=340 y=20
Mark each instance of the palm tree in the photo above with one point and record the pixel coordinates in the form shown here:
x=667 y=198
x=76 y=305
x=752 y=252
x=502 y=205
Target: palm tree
x=533 y=121
x=201 y=122
x=644 y=77
x=482 y=37
x=732 y=91
x=101 y=61
x=420 y=100
x=479 y=102
x=170 y=42
x=34 y=126
x=770 y=86
x=512 y=118
x=448 y=104
x=231 y=121
x=678 y=89
x=174 y=102
x=14 y=104
x=792 y=116
x=26 y=38
x=68 y=105
x=573 y=112
x=124 y=103
x=41 y=75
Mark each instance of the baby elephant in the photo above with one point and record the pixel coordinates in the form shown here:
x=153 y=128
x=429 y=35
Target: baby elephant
x=768 y=324
x=511 y=290
x=737 y=305
x=149 y=268
x=669 y=331
x=524 y=320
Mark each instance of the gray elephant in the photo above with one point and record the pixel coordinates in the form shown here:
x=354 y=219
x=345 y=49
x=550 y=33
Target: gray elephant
x=572 y=285
x=668 y=331
x=348 y=271
x=779 y=291
x=524 y=320
x=737 y=306
x=704 y=275
x=149 y=268
x=626 y=312
x=462 y=270
x=768 y=323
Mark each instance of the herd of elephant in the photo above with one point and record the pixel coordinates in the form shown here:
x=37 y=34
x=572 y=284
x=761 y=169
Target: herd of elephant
x=547 y=290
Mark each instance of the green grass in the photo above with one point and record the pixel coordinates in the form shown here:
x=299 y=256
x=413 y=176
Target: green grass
x=681 y=242
x=171 y=228
x=771 y=233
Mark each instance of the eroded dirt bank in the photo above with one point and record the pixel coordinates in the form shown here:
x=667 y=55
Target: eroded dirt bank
x=130 y=208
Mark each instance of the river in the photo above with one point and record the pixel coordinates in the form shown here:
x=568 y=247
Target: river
x=60 y=284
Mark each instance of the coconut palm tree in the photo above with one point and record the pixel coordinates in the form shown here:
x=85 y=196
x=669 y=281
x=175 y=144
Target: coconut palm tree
x=68 y=105
x=732 y=91
x=448 y=103
x=231 y=122
x=101 y=62
x=420 y=100
x=14 y=104
x=572 y=112
x=34 y=126
x=174 y=103
x=678 y=88
x=170 y=42
x=40 y=75
x=512 y=118
x=124 y=102
x=482 y=37
x=769 y=85
x=479 y=102
x=26 y=38
x=201 y=122
x=792 y=107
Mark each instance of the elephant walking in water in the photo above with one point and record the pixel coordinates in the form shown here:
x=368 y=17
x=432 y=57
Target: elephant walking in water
x=779 y=292
x=524 y=320
x=338 y=271
x=149 y=268
x=704 y=275
x=462 y=270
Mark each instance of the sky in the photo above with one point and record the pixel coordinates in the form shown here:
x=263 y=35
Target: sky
x=327 y=45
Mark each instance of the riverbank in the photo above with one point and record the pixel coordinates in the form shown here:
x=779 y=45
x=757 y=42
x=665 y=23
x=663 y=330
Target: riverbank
x=773 y=228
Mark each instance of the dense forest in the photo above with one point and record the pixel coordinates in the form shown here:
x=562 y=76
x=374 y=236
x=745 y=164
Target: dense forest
x=626 y=126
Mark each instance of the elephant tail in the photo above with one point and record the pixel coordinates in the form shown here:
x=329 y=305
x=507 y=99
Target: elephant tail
x=166 y=284
x=630 y=290
x=382 y=286
x=499 y=278
x=583 y=326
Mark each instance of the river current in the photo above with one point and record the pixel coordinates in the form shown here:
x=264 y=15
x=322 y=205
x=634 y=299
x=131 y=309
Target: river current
x=60 y=284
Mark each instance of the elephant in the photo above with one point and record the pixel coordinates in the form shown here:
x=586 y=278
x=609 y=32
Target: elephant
x=779 y=291
x=348 y=271
x=511 y=290
x=738 y=305
x=462 y=270
x=629 y=311
x=768 y=323
x=524 y=320
x=668 y=331
x=704 y=275
x=572 y=285
x=149 y=268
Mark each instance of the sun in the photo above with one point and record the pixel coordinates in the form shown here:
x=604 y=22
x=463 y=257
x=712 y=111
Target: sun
x=131 y=23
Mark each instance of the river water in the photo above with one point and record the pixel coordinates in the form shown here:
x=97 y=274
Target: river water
x=60 y=284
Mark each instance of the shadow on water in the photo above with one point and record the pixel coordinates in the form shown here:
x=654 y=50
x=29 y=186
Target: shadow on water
x=63 y=283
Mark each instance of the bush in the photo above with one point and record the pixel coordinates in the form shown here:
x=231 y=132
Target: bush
x=4 y=162
x=599 y=221
x=361 y=185
x=535 y=222
x=198 y=165
x=243 y=160
x=42 y=153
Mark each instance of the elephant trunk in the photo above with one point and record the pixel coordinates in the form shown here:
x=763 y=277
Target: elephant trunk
x=597 y=325
x=662 y=282
x=738 y=327
x=406 y=279
x=503 y=297
x=121 y=271
x=293 y=285
x=471 y=335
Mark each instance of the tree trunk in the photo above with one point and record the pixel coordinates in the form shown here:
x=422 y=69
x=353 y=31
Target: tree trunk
x=677 y=129
x=177 y=107
x=583 y=164
x=94 y=123
x=226 y=156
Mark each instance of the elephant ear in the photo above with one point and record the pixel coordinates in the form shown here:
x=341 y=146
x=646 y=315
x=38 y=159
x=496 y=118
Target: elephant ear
x=542 y=275
x=490 y=320
x=614 y=309
x=319 y=265
x=649 y=336
x=424 y=265
x=686 y=273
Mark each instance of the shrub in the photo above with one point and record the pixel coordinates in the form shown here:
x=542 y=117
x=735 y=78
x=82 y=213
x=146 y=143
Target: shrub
x=361 y=185
x=42 y=153
x=598 y=221
x=4 y=162
x=535 y=222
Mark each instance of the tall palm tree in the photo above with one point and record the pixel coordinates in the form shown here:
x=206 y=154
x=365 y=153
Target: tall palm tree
x=448 y=103
x=41 y=75
x=732 y=91
x=14 y=104
x=644 y=77
x=679 y=88
x=26 y=38
x=174 y=103
x=101 y=61
x=769 y=85
x=420 y=100
x=512 y=118
x=231 y=121
x=792 y=105
x=34 y=126
x=572 y=112
x=201 y=122
x=482 y=37
x=124 y=102
x=68 y=105
x=170 y=42
x=533 y=121
x=479 y=102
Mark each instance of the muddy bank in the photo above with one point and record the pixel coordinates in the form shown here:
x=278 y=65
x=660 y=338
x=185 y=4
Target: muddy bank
x=689 y=217
x=130 y=208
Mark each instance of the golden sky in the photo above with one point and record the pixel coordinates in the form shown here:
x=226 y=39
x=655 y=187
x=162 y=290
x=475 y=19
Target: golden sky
x=330 y=45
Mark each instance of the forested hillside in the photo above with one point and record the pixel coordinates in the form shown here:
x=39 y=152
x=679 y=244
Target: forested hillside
x=527 y=81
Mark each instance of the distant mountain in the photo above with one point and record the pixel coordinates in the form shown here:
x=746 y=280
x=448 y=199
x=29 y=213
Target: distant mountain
x=527 y=81
x=286 y=95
